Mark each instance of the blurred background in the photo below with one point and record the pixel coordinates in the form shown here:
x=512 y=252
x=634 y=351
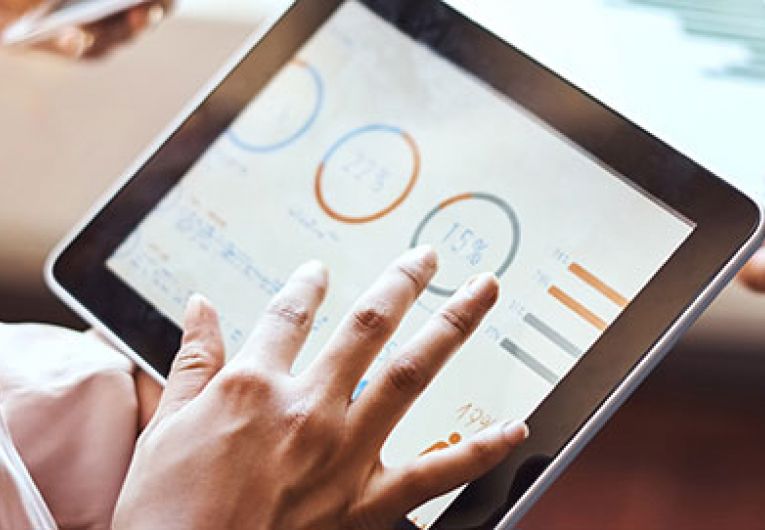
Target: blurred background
x=687 y=450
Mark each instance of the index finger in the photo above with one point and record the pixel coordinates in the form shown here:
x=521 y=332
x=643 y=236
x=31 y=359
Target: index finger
x=380 y=407
x=288 y=319
x=374 y=318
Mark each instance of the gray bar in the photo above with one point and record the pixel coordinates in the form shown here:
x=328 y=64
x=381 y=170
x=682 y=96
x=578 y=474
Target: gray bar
x=523 y=356
x=553 y=335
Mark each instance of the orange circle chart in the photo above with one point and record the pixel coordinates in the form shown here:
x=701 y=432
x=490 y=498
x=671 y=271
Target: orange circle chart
x=364 y=166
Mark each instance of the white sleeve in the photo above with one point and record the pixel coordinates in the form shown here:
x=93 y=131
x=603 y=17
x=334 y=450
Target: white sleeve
x=21 y=505
x=70 y=407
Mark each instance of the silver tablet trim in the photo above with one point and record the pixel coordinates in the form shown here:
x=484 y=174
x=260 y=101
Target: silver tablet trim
x=567 y=454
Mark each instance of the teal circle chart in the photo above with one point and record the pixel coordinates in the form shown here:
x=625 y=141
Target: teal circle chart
x=514 y=227
x=263 y=148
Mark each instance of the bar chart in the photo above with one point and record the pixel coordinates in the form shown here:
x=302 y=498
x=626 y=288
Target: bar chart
x=473 y=231
x=552 y=337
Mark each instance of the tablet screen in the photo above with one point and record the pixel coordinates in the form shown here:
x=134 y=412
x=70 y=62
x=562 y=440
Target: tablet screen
x=368 y=143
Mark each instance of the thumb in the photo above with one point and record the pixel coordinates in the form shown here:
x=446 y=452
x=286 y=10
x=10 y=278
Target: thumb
x=753 y=274
x=71 y=42
x=200 y=357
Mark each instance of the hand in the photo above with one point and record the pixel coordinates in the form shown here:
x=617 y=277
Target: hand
x=91 y=40
x=250 y=446
x=753 y=274
x=148 y=392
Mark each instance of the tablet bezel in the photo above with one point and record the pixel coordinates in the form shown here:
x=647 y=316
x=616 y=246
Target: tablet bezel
x=727 y=227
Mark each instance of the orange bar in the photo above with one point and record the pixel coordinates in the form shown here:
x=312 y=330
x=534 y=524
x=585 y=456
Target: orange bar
x=577 y=308
x=598 y=284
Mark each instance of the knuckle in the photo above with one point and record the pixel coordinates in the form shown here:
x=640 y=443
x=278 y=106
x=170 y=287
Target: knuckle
x=374 y=319
x=460 y=322
x=299 y=420
x=313 y=426
x=483 y=452
x=419 y=483
x=406 y=375
x=192 y=356
x=244 y=383
x=290 y=311
x=413 y=274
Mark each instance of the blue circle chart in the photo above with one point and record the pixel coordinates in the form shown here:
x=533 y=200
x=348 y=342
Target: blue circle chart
x=318 y=85
x=512 y=217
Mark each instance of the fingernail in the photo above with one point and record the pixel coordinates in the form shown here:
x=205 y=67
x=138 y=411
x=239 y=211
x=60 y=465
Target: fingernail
x=75 y=41
x=515 y=431
x=156 y=14
x=196 y=304
x=311 y=270
x=483 y=287
x=425 y=254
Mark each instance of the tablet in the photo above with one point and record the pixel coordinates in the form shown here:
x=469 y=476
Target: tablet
x=357 y=129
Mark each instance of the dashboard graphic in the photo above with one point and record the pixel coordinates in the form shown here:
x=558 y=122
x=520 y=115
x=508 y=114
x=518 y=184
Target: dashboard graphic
x=587 y=303
x=367 y=145
x=476 y=231
x=367 y=174
x=279 y=122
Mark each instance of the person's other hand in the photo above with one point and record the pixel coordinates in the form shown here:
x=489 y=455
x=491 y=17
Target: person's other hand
x=91 y=40
x=249 y=445
x=148 y=392
x=753 y=274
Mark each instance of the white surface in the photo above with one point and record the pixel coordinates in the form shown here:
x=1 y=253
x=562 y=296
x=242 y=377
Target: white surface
x=641 y=61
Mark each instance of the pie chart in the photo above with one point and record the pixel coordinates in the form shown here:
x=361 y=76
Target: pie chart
x=472 y=233
x=283 y=112
x=367 y=173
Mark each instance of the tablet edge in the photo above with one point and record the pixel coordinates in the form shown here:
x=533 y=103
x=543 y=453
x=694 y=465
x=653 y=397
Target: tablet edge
x=633 y=380
x=264 y=25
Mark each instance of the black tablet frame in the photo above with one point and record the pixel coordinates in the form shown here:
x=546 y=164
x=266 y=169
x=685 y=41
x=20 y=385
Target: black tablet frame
x=725 y=221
